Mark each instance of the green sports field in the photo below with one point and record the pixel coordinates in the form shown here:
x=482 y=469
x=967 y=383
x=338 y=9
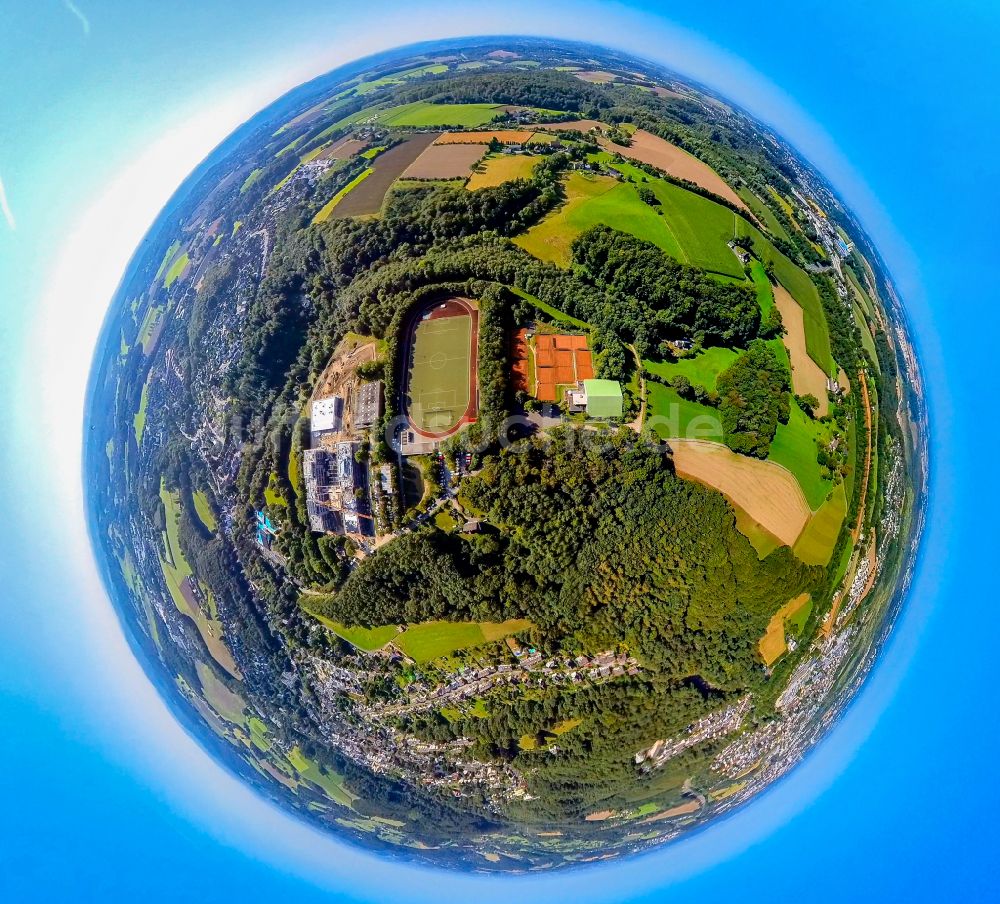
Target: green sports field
x=439 y=388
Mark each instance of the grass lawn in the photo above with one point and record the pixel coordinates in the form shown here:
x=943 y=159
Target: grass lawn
x=496 y=170
x=330 y=782
x=761 y=539
x=175 y=270
x=431 y=640
x=444 y=521
x=422 y=115
x=203 y=509
x=149 y=323
x=554 y=313
x=566 y=725
x=867 y=340
x=796 y=622
x=864 y=299
x=794 y=446
x=397 y=78
x=702 y=369
x=327 y=208
x=801 y=287
x=762 y=286
x=816 y=544
x=288 y=148
x=843 y=564
x=590 y=201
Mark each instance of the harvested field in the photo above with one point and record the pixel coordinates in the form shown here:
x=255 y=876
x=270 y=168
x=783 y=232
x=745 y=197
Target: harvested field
x=658 y=152
x=772 y=644
x=504 y=136
x=573 y=125
x=766 y=491
x=440 y=395
x=807 y=376
x=504 y=168
x=343 y=149
x=327 y=209
x=684 y=809
x=597 y=77
x=445 y=161
x=660 y=91
x=367 y=198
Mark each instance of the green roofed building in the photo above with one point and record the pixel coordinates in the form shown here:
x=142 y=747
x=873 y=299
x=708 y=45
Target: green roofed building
x=604 y=398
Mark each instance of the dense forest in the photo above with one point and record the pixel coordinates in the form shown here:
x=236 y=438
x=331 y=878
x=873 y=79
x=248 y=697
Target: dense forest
x=598 y=543
x=753 y=399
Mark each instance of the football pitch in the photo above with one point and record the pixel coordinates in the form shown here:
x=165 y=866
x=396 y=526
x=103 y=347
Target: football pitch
x=439 y=390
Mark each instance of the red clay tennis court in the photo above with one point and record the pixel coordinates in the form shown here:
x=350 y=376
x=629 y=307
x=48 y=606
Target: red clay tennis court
x=560 y=360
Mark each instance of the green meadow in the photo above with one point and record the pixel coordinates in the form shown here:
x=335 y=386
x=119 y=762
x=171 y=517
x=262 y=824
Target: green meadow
x=702 y=369
x=203 y=509
x=763 y=213
x=794 y=446
x=425 y=641
x=398 y=78
x=251 y=180
x=422 y=115
x=175 y=270
x=816 y=543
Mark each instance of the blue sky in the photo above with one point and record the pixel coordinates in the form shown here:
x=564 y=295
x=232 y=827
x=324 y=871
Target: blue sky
x=109 y=104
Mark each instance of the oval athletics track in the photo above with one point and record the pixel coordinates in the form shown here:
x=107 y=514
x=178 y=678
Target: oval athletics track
x=441 y=392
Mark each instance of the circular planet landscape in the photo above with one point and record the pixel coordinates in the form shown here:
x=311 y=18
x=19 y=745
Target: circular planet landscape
x=506 y=454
